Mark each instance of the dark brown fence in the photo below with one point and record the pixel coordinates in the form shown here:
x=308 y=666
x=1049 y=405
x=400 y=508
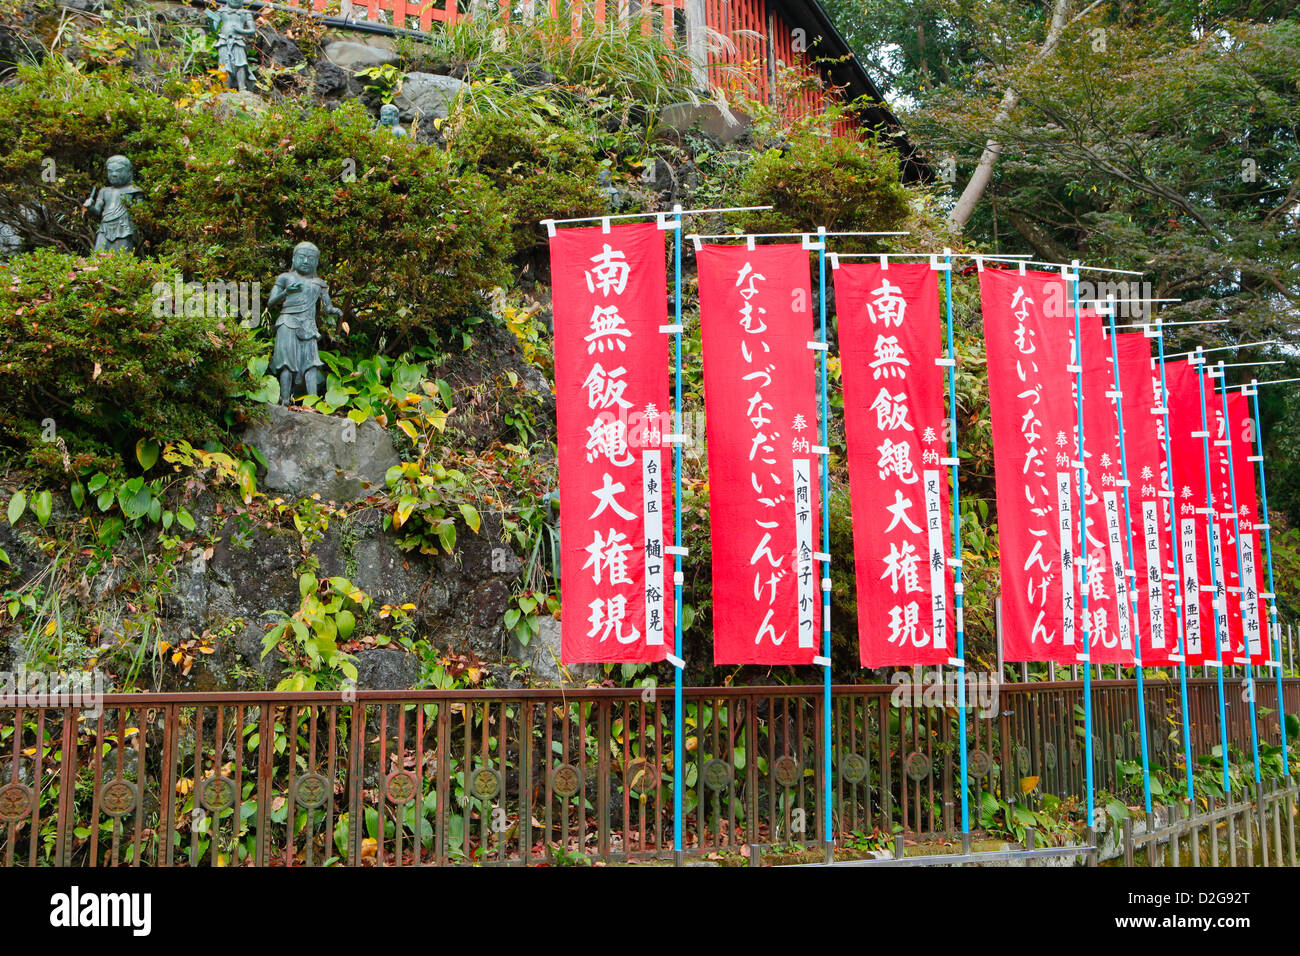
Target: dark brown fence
x=531 y=776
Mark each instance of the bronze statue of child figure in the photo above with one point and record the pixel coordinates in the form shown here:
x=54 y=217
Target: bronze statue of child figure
x=298 y=294
x=235 y=28
x=112 y=203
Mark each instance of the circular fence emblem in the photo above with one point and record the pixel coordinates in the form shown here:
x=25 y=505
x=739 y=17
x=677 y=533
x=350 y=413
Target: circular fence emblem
x=400 y=786
x=853 y=768
x=217 y=793
x=917 y=765
x=1076 y=753
x=786 y=771
x=118 y=798
x=310 y=790
x=1049 y=756
x=486 y=783
x=566 y=781
x=15 y=802
x=979 y=763
x=640 y=779
x=1022 y=758
x=717 y=774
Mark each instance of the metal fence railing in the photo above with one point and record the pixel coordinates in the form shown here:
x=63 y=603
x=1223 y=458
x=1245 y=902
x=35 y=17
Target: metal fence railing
x=541 y=775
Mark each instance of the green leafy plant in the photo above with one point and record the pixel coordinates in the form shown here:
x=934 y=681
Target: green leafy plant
x=311 y=634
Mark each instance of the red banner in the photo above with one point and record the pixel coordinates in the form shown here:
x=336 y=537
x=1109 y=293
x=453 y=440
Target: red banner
x=1032 y=409
x=756 y=324
x=1188 y=454
x=1228 y=450
x=611 y=392
x=1255 y=607
x=1149 y=499
x=895 y=426
x=1109 y=598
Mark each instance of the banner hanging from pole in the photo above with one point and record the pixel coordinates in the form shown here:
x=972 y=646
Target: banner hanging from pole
x=1220 y=462
x=1149 y=498
x=1241 y=430
x=611 y=393
x=1032 y=410
x=1109 y=599
x=756 y=324
x=1191 y=531
x=895 y=427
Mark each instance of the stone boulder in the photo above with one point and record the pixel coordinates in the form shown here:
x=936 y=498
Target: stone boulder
x=542 y=655
x=427 y=95
x=354 y=56
x=310 y=453
x=725 y=126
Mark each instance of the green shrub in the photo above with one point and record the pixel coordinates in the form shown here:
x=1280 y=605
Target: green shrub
x=544 y=165
x=408 y=243
x=840 y=184
x=89 y=368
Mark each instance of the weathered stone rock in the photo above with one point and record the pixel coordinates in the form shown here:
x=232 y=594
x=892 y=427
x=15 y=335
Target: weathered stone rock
x=331 y=82
x=709 y=118
x=427 y=95
x=309 y=453
x=278 y=49
x=386 y=668
x=542 y=655
x=231 y=102
x=354 y=56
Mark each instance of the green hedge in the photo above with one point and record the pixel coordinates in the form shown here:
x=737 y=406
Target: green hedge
x=89 y=367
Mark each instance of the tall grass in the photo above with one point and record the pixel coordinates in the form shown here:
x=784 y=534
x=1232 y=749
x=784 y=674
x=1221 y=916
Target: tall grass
x=628 y=58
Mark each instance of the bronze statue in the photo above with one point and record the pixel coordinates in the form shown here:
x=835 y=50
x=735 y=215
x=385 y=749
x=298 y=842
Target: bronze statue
x=112 y=203
x=390 y=119
x=234 y=26
x=298 y=293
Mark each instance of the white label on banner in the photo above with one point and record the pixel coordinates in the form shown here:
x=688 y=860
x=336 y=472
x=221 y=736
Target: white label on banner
x=1250 y=596
x=652 y=497
x=1191 y=587
x=1122 y=596
x=1065 y=514
x=1154 y=583
x=938 y=588
x=803 y=536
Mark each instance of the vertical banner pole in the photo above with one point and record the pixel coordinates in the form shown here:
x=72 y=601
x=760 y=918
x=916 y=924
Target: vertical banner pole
x=1178 y=567
x=1241 y=575
x=956 y=554
x=1275 y=629
x=824 y=431
x=679 y=744
x=1132 y=583
x=1220 y=622
x=1073 y=278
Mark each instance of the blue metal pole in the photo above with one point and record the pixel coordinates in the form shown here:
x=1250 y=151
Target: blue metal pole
x=957 y=588
x=1220 y=624
x=1086 y=656
x=1131 y=585
x=824 y=432
x=1241 y=574
x=1274 y=626
x=679 y=745
x=1178 y=568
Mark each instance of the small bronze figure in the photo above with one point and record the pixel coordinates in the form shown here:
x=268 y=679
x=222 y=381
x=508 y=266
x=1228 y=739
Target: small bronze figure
x=112 y=203
x=390 y=118
x=234 y=26
x=298 y=294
